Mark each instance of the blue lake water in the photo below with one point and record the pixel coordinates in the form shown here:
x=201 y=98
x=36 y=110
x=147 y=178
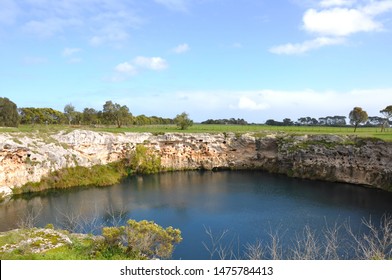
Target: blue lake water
x=249 y=205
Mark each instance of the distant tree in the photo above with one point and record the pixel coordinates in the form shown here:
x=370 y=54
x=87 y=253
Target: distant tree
x=274 y=123
x=116 y=114
x=302 y=121
x=89 y=116
x=8 y=113
x=226 y=121
x=70 y=113
x=322 y=121
x=41 y=116
x=357 y=116
x=307 y=121
x=340 y=120
x=387 y=112
x=375 y=121
x=287 y=122
x=183 y=121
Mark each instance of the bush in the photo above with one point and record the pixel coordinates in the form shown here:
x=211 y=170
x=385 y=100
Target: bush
x=183 y=121
x=144 y=239
x=144 y=161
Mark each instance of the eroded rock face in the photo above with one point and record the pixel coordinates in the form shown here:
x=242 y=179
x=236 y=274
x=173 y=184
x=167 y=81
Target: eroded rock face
x=324 y=157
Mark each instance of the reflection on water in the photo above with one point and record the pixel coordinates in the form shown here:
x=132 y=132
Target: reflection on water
x=249 y=204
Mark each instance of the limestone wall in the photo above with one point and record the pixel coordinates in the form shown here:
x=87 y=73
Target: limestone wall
x=25 y=158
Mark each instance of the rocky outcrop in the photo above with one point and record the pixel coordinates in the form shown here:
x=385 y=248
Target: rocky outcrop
x=25 y=158
x=34 y=240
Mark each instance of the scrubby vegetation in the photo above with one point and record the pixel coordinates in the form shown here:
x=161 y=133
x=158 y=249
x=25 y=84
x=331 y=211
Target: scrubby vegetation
x=147 y=240
x=142 y=160
x=135 y=240
x=98 y=175
x=144 y=238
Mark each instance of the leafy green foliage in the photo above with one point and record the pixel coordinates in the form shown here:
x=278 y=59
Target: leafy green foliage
x=387 y=112
x=90 y=116
x=41 y=116
x=183 y=121
x=135 y=240
x=115 y=113
x=144 y=161
x=98 y=175
x=8 y=113
x=70 y=113
x=144 y=238
x=357 y=116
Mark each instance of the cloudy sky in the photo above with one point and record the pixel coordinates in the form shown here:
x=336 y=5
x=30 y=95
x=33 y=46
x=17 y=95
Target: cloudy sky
x=252 y=59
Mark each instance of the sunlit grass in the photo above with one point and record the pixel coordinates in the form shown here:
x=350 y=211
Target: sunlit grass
x=211 y=128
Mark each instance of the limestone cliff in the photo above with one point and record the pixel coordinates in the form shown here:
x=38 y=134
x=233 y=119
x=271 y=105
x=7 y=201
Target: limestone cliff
x=25 y=158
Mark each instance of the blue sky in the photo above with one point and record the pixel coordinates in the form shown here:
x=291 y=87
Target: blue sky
x=252 y=59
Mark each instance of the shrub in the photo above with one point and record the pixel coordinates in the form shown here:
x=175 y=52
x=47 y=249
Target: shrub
x=144 y=239
x=144 y=161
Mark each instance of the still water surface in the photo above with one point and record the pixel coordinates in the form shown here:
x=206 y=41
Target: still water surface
x=248 y=204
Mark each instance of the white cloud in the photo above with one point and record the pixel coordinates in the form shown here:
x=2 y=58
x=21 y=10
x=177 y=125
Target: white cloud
x=260 y=105
x=333 y=21
x=126 y=68
x=110 y=34
x=182 y=48
x=102 y=21
x=71 y=55
x=247 y=103
x=71 y=51
x=306 y=46
x=330 y=3
x=152 y=63
x=339 y=22
x=176 y=5
x=375 y=8
x=50 y=26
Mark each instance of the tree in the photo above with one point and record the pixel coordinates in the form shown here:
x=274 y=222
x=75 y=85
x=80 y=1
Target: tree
x=41 y=116
x=70 y=113
x=114 y=113
x=90 y=116
x=183 y=121
x=357 y=116
x=287 y=122
x=8 y=113
x=387 y=112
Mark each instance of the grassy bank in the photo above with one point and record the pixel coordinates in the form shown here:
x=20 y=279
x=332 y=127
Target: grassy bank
x=141 y=161
x=98 y=175
x=204 y=128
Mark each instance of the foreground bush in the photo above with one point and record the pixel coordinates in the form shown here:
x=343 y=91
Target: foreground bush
x=144 y=238
x=135 y=240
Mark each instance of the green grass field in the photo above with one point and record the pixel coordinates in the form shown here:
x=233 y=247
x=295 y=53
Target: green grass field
x=205 y=128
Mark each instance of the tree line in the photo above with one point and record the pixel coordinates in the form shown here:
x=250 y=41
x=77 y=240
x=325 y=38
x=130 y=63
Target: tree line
x=120 y=115
x=356 y=117
x=111 y=114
